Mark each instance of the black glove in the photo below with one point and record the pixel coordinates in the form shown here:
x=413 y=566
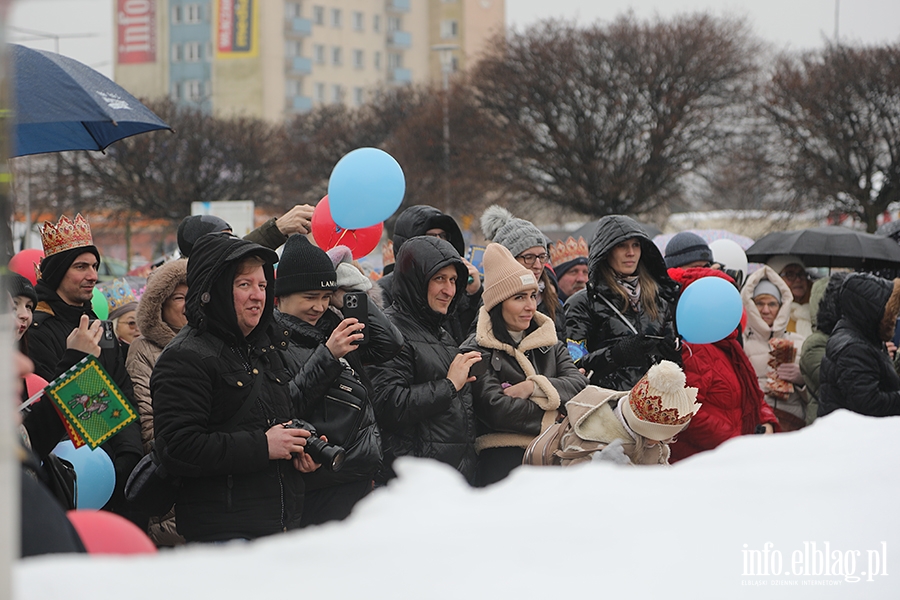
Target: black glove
x=669 y=348
x=632 y=350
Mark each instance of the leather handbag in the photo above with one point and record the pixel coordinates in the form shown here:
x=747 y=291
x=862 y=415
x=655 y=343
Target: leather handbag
x=339 y=414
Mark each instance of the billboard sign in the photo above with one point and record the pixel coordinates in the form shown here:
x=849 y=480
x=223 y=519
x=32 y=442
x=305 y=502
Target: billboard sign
x=136 y=24
x=237 y=25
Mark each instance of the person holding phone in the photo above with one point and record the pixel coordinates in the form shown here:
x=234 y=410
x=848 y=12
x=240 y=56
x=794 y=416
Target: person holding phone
x=528 y=375
x=423 y=400
x=622 y=322
x=326 y=361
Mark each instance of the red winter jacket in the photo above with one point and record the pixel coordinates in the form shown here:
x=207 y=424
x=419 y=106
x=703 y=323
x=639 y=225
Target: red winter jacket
x=727 y=387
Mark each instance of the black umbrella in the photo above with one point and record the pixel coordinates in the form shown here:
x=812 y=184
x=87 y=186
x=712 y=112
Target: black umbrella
x=62 y=104
x=827 y=247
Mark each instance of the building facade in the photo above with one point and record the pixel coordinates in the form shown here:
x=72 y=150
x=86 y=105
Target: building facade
x=276 y=58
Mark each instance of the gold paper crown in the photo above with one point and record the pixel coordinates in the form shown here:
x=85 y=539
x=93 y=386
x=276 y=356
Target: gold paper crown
x=564 y=251
x=66 y=235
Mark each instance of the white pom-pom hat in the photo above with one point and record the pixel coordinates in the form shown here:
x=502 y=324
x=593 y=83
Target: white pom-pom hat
x=659 y=405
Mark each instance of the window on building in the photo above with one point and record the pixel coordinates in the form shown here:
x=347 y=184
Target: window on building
x=454 y=64
x=193 y=90
x=177 y=53
x=176 y=20
x=376 y=60
x=293 y=48
x=319 y=15
x=357 y=59
x=449 y=28
x=335 y=17
x=319 y=54
x=293 y=87
x=395 y=61
x=394 y=24
x=336 y=56
x=193 y=13
x=337 y=93
x=292 y=10
x=376 y=23
x=359 y=96
x=192 y=52
x=358 y=21
x=320 y=92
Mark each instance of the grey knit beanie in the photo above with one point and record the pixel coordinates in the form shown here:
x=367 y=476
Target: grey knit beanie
x=686 y=247
x=518 y=235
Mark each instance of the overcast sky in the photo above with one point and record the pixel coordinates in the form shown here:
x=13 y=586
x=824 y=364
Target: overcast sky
x=796 y=24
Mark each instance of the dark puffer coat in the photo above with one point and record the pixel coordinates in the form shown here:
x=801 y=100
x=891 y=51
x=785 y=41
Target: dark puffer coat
x=593 y=324
x=856 y=372
x=54 y=320
x=418 y=409
x=315 y=370
x=231 y=489
x=415 y=221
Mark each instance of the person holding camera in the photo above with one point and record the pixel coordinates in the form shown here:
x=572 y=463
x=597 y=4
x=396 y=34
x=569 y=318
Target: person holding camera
x=527 y=373
x=621 y=324
x=423 y=402
x=65 y=330
x=325 y=358
x=221 y=401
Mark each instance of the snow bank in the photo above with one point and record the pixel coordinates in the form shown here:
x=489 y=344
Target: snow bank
x=699 y=529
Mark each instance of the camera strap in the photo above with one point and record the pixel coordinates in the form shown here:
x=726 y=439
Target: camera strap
x=245 y=407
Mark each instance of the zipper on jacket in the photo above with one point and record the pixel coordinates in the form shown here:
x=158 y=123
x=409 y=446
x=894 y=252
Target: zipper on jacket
x=229 y=484
x=344 y=402
x=281 y=488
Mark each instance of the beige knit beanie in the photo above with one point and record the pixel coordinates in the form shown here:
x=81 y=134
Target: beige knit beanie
x=659 y=405
x=504 y=276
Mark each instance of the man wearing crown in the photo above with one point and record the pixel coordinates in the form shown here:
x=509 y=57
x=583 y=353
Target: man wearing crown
x=65 y=330
x=570 y=260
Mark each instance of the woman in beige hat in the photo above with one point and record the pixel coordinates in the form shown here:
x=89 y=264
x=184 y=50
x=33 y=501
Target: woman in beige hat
x=529 y=375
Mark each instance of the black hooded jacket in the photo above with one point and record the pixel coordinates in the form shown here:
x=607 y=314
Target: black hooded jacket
x=231 y=489
x=856 y=372
x=415 y=221
x=418 y=409
x=591 y=323
x=54 y=320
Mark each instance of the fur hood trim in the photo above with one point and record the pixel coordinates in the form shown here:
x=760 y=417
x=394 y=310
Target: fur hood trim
x=160 y=285
x=888 y=322
x=542 y=337
x=754 y=320
x=513 y=440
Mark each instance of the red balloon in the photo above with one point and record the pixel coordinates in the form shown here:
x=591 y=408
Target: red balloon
x=329 y=234
x=103 y=532
x=34 y=383
x=24 y=263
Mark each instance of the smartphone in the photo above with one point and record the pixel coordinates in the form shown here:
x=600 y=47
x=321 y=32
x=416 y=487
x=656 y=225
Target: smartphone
x=480 y=368
x=107 y=335
x=475 y=255
x=356 y=306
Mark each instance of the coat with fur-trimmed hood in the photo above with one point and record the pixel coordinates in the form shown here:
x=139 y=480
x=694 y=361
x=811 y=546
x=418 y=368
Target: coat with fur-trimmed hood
x=856 y=372
x=155 y=334
x=505 y=421
x=757 y=335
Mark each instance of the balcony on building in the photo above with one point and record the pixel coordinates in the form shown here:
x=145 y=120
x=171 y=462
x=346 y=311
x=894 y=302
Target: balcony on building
x=299 y=65
x=300 y=26
x=399 y=39
x=300 y=103
x=400 y=76
x=400 y=6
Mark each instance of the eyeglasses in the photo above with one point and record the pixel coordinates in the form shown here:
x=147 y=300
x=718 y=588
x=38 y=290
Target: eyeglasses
x=440 y=234
x=528 y=259
x=129 y=323
x=794 y=275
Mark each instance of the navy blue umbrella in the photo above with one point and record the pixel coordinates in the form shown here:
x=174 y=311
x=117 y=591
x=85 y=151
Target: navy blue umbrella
x=62 y=104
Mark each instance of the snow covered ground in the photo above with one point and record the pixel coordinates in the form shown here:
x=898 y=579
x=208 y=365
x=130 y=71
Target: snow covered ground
x=704 y=528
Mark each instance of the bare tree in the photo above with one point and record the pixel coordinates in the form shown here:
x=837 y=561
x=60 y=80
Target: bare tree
x=608 y=119
x=838 y=111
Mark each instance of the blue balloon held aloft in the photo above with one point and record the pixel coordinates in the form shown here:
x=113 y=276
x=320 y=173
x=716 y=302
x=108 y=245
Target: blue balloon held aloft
x=708 y=310
x=366 y=187
x=96 y=476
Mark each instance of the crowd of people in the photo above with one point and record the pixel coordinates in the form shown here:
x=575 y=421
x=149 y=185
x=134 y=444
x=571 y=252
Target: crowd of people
x=280 y=390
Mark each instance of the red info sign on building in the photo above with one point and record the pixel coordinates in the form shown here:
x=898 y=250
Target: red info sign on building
x=236 y=28
x=136 y=24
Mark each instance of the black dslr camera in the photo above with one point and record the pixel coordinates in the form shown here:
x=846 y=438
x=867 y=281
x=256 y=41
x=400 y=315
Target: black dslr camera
x=328 y=455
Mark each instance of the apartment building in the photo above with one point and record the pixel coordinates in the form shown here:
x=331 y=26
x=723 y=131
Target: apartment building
x=276 y=58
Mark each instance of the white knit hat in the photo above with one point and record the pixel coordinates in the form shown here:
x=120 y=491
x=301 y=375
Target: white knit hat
x=660 y=405
x=348 y=276
x=504 y=276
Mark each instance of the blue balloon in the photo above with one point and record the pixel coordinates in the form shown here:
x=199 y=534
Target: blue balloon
x=708 y=310
x=96 y=476
x=366 y=187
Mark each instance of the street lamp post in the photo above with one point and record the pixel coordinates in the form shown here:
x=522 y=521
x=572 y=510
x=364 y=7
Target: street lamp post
x=445 y=53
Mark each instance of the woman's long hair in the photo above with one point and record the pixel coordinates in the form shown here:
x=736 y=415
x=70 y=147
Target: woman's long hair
x=649 y=287
x=550 y=297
